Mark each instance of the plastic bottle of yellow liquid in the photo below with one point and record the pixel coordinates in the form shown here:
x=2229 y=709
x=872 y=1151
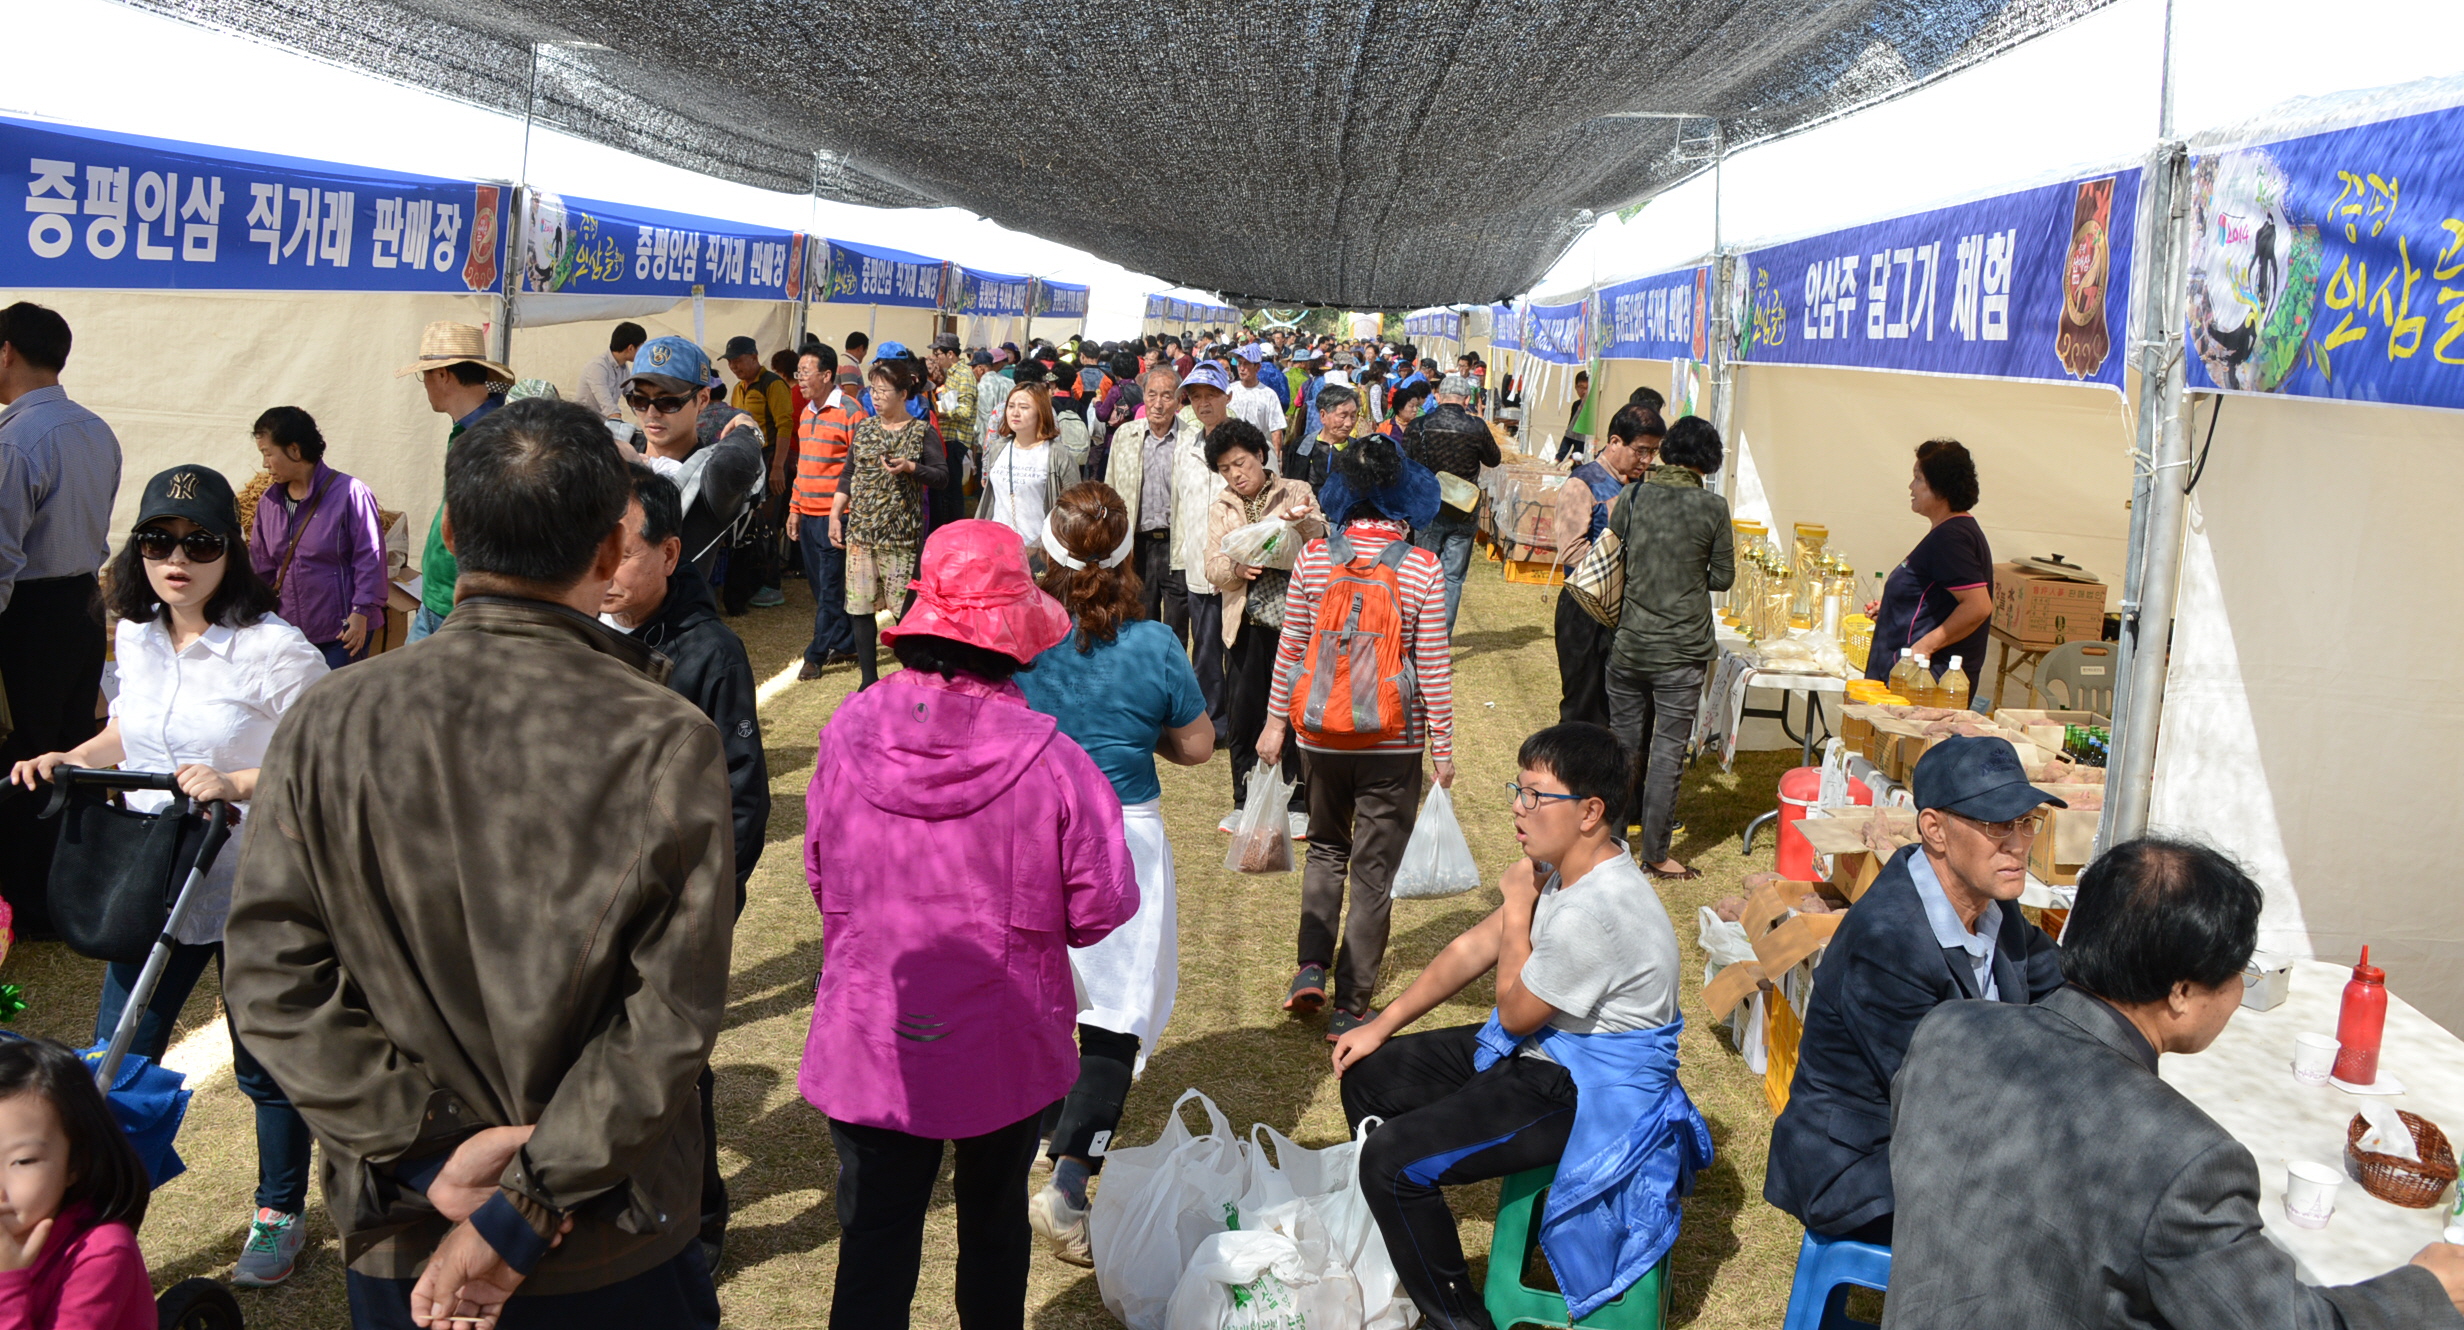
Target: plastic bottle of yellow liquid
x=1928 y=693
x=1903 y=676
x=1955 y=686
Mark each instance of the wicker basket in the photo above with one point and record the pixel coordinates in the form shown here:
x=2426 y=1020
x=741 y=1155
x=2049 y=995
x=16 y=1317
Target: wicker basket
x=2415 y=1186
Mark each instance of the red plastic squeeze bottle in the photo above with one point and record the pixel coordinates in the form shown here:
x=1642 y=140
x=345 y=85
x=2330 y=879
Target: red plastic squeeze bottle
x=2362 y=1022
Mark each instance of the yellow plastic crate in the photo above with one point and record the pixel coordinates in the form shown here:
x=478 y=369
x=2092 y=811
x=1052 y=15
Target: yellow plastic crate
x=1535 y=572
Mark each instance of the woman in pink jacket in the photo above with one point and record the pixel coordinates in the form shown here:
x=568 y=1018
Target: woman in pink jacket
x=958 y=845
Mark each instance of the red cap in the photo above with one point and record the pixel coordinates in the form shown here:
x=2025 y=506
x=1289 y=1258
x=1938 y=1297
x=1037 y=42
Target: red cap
x=2366 y=972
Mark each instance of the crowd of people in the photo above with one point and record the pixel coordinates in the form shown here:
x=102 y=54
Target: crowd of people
x=511 y=1088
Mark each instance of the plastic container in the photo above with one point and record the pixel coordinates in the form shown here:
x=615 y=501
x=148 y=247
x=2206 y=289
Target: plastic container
x=1903 y=676
x=1800 y=793
x=2361 y=1024
x=1955 y=686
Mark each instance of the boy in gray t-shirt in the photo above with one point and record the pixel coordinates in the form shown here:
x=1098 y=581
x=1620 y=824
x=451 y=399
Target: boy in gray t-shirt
x=1593 y=955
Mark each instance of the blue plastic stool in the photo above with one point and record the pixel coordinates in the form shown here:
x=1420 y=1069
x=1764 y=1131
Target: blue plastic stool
x=1511 y=1302
x=1826 y=1268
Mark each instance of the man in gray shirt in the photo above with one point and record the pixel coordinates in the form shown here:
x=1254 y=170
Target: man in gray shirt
x=59 y=468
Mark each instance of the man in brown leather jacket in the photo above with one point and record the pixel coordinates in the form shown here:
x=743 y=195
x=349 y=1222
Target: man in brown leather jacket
x=483 y=937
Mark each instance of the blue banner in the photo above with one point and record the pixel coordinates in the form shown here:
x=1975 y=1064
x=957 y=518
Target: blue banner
x=589 y=247
x=2032 y=285
x=1060 y=300
x=991 y=294
x=1439 y=323
x=2332 y=265
x=1505 y=328
x=1656 y=318
x=1559 y=334
x=1155 y=307
x=1176 y=311
x=872 y=275
x=117 y=211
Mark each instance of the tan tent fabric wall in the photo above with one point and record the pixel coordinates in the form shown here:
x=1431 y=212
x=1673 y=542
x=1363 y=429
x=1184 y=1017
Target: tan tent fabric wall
x=883 y=323
x=558 y=351
x=181 y=375
x=1835 y=447
x=2332 y=567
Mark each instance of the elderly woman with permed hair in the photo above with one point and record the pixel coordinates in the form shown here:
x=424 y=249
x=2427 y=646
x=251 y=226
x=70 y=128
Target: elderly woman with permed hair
x=1937 y=602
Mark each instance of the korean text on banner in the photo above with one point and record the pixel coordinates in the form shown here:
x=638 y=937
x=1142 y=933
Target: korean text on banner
x=1558 y=334
x=1657 y=318
x=1505 y=328
x=2031 y=285
x=994 y=295
x=872 y=275
x=2332 y=265
x=586 y=247
x=117 y=211
x=1060 y=300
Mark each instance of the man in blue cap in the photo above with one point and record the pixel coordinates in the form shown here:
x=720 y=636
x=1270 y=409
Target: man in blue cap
x=709 y=449
x=1941 y=924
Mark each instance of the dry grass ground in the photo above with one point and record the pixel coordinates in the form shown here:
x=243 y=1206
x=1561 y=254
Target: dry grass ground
x=1732 y=1264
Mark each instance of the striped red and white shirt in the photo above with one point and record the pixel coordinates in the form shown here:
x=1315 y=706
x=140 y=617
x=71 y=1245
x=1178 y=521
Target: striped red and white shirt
x=1423 y=584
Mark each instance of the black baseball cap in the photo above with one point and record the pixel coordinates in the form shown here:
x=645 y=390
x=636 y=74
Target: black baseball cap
x=980 y=358
x=198 y=493
x=1976 y=778
x=740 y=346
x=945 y=342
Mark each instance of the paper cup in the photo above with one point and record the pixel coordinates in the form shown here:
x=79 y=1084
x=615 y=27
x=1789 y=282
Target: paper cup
x=2310 y=1193
x=2314 y=1058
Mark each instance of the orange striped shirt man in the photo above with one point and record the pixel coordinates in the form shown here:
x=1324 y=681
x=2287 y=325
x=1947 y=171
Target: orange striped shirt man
x=822 y=437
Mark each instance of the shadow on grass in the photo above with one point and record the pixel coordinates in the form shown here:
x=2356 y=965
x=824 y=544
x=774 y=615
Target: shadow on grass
x=1501 y=639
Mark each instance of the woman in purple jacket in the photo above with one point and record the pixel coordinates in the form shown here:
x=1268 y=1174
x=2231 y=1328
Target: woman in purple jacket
x=958 y=845
x=317 y=539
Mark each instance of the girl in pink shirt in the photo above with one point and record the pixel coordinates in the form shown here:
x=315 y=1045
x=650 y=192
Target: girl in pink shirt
x=72 y=1193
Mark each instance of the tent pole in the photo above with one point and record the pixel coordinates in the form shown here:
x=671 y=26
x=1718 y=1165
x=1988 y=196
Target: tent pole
x=2153 y=580
x=1723 y=406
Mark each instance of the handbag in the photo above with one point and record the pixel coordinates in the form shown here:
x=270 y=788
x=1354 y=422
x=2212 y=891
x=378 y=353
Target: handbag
x=1598 y=580
x=116 y=872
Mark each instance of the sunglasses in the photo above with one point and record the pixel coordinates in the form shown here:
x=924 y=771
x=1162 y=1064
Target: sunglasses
x=156 y=545
x=2020 y=828
x=666 y=404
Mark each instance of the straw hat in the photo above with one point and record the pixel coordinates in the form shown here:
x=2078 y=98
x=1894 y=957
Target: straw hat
x=442 y=344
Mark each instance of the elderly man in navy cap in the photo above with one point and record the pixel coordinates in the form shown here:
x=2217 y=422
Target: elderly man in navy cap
x=1941 y=924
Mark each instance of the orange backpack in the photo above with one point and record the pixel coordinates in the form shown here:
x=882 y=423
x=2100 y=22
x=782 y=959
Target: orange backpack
x=1356 y=659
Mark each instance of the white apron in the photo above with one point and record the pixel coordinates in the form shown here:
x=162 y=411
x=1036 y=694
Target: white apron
x=1127 y=981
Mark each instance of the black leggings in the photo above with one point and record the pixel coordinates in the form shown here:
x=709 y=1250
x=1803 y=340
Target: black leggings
x=885 y=1184
x=1081 y=1126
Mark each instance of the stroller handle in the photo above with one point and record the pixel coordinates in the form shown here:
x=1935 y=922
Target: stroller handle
x=63 y=778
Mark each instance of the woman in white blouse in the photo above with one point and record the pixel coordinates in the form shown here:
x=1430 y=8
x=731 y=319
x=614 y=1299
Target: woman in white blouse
x=1029 y=464
x=206 y=669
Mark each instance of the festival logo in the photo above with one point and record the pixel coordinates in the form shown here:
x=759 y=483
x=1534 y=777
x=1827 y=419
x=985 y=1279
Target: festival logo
x=2254 y=271
x=479 y=269
x=1702 y=309
x=794 y=285
x=1757 y=316
x=2081 y=341
x=546 y=245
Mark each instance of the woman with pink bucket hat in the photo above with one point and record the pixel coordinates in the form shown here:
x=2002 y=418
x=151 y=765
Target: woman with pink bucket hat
x=958 y=845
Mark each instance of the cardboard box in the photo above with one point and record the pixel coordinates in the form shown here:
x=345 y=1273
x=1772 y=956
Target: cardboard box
x=2065 y=838
x=2042 y=608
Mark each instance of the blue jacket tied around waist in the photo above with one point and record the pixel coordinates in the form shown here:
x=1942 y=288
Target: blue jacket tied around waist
x=1637 y=1141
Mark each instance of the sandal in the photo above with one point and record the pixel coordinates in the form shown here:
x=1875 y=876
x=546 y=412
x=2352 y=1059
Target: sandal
x=1684 y=875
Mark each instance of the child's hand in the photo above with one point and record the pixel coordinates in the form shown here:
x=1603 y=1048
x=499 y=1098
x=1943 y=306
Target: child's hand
x=1358 y=1043
x=19 y=1250
x=1521 y=884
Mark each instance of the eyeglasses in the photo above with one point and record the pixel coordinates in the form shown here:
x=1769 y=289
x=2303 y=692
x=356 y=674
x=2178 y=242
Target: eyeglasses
x=156 y=544
x=666 y=404
x=2023 y=828
x=1528 y=799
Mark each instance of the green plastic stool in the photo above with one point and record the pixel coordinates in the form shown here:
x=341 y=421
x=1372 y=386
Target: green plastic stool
x=1511 y=1302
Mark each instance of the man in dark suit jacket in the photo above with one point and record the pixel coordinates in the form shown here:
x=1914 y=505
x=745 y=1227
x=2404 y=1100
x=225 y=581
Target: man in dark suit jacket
x=1939 y=925
x=2045 y=1176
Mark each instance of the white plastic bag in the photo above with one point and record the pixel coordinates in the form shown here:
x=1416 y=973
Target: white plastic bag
x=1268 y=544
x=1156 y=1204
x=1262 y=834
x=1724 y=944
x=1327 y=1182
x=1437 y=861
x=1244 y=1280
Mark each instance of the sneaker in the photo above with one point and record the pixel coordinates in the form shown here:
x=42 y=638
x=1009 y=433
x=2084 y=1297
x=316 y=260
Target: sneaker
x=1299 y=822
x=1344 y=1022
x=274 y=1240
x=1062 y=1226
x=1308 y=991
x=1230 y=820
x=768 y=597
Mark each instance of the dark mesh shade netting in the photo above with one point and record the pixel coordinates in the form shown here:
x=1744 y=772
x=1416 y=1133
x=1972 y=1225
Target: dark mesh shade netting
x=1373 y=154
